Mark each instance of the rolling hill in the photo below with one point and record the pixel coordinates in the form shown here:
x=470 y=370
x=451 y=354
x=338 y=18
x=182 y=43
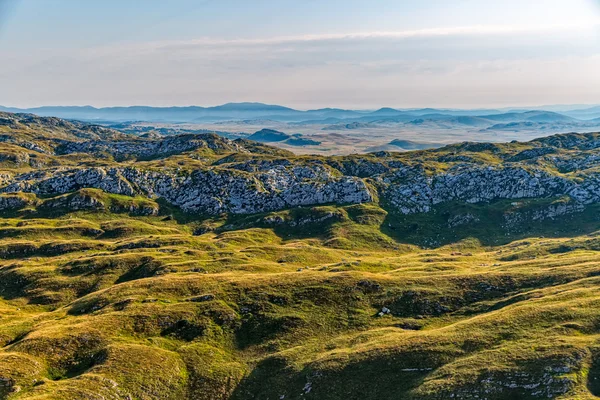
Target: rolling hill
x=269 y=135
x=199 y=267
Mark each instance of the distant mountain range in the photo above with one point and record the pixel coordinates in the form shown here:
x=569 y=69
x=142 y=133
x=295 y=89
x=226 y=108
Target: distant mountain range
x=329 y=116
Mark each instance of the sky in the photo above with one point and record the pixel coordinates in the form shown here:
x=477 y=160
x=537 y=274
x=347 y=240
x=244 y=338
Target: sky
x=304 y=53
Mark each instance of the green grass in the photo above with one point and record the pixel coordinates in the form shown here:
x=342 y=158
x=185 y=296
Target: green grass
x=106 y=302
x=132 y=298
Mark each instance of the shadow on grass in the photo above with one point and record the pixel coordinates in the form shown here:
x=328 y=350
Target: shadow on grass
x=487 y=224
x=445 y=224
x=386 y=377
x=593 y=378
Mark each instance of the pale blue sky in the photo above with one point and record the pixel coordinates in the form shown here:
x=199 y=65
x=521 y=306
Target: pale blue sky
x=305 y=53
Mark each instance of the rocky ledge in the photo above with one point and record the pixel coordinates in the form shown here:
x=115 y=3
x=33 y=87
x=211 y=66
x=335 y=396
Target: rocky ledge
x=210 y=191
x=244 y=178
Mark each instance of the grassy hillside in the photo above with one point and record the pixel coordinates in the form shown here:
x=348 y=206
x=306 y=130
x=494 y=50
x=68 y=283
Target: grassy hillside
x=111 y=296
x=315 y=303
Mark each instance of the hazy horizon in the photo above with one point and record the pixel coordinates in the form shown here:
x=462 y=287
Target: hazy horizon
x=548 y=107
x=304 y=55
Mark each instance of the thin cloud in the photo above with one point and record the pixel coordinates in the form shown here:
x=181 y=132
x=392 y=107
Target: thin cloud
x=295 y=42
x=491 y=65
x=476 y=30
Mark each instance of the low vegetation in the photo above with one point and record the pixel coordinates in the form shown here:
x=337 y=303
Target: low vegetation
x=323 y=302
x=107 y=296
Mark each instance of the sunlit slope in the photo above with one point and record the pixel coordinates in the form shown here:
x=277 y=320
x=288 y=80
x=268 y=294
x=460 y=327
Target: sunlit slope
x=109 y=305
x=196 y=267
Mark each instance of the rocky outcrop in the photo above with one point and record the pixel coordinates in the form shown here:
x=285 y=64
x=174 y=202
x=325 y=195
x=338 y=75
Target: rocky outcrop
x=55 y=127
x=149 y=148
x=532 y=153
x=210 y=191
x=60 y=181
x=89 y=199
x=360 y=167
x=462 y=219
x=551 y=212
x=412 y=191
x=15 y=201
x=553 y=381
x=581 y=141
x=29 y=145
x=19 y=158
x=267 y=185
x=253 y=178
